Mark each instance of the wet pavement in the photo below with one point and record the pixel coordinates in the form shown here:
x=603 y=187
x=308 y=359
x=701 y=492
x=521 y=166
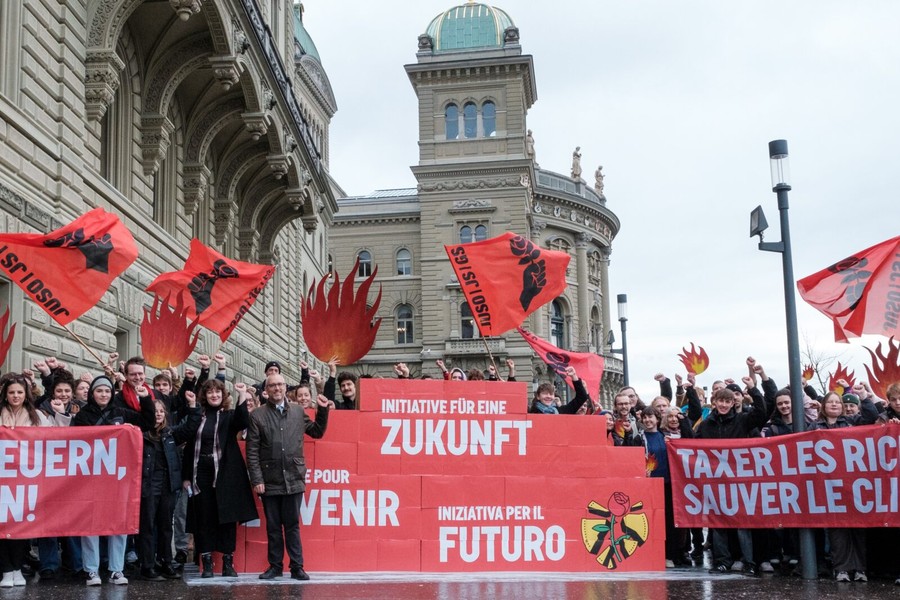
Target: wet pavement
x=684 y=583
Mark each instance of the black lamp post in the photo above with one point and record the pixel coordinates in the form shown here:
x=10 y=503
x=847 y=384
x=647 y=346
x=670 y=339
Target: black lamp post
x=780 y=169
x=610 y=339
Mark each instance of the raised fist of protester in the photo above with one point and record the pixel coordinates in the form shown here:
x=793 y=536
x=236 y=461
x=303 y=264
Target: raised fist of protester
x=52 y=362
x=678 y=380
x=570 y=371
x=748 y=381
x=728 y=381
x=191 y=398
x=220 y=360
x=751 y=361
x=304 y=366
x=189 y=373
x=660 y=377
x=332 y=366
x=86 y=377
x=324 y=402
x=41 y=367
x=28 y=374
x=204 y=361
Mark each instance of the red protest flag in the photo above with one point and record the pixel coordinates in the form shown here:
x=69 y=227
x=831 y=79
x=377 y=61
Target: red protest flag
x=222 y=290
x=588 y=366
x=507 y=278
x=67 y=271
x=860 y=294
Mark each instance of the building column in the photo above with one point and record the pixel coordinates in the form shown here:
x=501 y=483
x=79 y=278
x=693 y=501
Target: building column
x=581 y=271
x=606 y=305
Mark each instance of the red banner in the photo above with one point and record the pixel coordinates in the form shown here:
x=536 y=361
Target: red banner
x=61 y=481
x=827 y=478
x=68 y=270
x=221 y=290
x=456 y=476
x=507 y=278
x=588 y=366
x=860 y=294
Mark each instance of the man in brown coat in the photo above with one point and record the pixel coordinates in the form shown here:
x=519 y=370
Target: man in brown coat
x=278 y=470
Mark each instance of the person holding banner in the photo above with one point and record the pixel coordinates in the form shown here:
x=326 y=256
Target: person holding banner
x=545 y=394
x=848 y=545
x=724 y=422
x=101 y=411
x=16 y=410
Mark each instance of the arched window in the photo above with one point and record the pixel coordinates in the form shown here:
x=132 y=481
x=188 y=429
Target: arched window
x=451 y=121
x=466 y=322
x=465 y=234
x=365 y=263
x=404 y=262
x=489 y=118
x=557 y=325
x=480 y=233
x=470 y=119
x=404 y=318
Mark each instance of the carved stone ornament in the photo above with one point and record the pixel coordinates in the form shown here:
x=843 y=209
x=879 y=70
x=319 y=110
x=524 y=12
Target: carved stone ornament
x=471 y=203
x=156 y=131
x=425 y=42
x=279 y=164
x=101 y=81
x=255 y=123
x=226 y=70
x=185 y=8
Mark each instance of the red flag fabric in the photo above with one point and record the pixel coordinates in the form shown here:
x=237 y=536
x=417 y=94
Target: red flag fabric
x=588 y=366
x=860 y=294
x=67 y=271
x=222 y=290
x=507 y=278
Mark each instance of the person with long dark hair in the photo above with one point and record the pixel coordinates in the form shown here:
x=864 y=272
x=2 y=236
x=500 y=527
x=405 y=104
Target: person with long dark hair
x=16 y=410
x=215 y=476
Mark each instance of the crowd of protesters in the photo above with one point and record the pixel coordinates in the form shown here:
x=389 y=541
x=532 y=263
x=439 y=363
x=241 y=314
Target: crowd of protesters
x=195 y=479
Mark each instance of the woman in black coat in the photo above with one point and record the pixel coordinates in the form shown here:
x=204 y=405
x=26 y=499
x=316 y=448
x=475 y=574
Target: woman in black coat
x=215 y=476
x=160 y=481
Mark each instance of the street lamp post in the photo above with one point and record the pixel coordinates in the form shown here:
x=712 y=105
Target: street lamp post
x=778 y=162
x=611 y=339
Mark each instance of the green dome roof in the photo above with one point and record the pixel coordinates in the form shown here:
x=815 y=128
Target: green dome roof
x=469 y=26
x=302 y=36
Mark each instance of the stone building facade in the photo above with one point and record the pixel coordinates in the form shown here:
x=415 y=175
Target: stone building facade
x=187 y=118
x=477 y=178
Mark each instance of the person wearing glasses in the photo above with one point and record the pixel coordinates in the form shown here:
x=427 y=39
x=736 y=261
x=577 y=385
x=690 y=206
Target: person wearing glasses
x=278 y=470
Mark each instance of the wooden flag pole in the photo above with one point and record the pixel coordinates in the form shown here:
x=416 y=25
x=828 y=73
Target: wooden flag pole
x=490 y=356
x=86 y=347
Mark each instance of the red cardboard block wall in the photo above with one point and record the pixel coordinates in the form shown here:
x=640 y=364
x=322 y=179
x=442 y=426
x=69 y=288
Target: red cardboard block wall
x=456 y=476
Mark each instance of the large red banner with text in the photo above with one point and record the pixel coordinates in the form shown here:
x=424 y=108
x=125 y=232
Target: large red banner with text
x=827 y=478
x=69 y=481
x=442 y=476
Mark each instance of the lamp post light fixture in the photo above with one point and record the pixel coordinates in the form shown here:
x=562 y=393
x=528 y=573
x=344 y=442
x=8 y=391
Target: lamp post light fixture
x=611 y=338
x=780 y=171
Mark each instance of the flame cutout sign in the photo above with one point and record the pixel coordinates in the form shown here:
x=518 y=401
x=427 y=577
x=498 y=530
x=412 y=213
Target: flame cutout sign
x=885 y=368
x=6 y=339
x=841 y=372
x=695 y=361
x=808 y=372
x=165 y=333
x=338 y=324
x=619 y=531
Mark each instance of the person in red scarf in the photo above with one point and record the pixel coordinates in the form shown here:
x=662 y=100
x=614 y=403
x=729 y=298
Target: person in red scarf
x=134 y=386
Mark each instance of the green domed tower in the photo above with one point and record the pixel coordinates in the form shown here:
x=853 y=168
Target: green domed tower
x=471 y=26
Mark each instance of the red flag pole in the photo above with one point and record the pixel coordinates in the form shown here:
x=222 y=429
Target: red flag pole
x=86 y=347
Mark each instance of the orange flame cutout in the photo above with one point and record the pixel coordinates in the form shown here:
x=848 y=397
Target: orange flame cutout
x=885 y=368
x=165 y=335
x=695 y=361
x=651 y=464
x=841 y=373
x=6 y=342
x=808 y=372
x=339 y=324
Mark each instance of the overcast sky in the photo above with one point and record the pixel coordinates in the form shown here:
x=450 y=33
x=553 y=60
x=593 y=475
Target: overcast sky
x=678 y=101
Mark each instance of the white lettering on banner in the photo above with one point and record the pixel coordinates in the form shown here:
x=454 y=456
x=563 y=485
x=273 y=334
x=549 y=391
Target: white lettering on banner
x=456 y=406
x=527 y=543
x=59 y=458
x=13 y=501
x=765 y=499
x=490 y=513
x=448 y=436
x=877 y=495
x=350 y=507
